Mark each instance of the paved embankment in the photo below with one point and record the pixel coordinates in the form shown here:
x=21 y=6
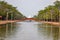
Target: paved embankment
x=52 y=23
x=9 y=21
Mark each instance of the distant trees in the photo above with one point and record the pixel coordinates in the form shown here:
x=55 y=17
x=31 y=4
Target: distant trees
x=13 y=13
x=50 y=13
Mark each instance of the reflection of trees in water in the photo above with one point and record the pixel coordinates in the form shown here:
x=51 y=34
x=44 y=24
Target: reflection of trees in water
x=11 y=29
x=2 y=31
x=55 y=33
x=43 y=29
x=46 y=29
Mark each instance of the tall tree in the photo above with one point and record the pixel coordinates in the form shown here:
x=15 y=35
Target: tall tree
x=11 y=10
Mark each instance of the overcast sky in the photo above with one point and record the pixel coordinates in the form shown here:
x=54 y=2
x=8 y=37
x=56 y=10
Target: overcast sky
x=30 y=7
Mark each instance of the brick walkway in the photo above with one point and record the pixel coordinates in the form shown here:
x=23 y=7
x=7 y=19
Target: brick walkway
x=5 y=22
x=52 y=23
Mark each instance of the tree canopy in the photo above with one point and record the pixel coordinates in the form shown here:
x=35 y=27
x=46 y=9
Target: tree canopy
x=50 y=13
x=13 y=13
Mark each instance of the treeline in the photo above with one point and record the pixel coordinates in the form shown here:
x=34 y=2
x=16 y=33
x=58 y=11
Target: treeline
x=9 y=12
x=50 y=13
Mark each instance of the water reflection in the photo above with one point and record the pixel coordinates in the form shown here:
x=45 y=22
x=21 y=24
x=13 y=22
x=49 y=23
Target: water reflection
x=49 y=31
x=29 y=31
x=7 y=30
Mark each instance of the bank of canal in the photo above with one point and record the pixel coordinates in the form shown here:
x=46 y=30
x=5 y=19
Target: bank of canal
x=29 y=31
x=8 y=21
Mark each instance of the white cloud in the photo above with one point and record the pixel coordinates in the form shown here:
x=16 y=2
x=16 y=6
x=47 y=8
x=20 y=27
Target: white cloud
x=30 y=7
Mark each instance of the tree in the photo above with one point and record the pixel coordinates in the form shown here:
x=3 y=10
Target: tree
x=50 y=13
x=12 y=11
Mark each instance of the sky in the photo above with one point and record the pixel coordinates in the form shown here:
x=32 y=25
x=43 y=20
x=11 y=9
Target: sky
x=30 y=7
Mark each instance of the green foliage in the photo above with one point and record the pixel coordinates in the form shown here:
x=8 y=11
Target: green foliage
x=13 y=13
x=50 y=13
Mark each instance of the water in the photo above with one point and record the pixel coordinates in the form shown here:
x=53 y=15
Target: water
x=29 y=31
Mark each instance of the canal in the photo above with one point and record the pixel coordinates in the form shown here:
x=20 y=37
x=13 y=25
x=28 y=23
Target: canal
x=29 y=31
